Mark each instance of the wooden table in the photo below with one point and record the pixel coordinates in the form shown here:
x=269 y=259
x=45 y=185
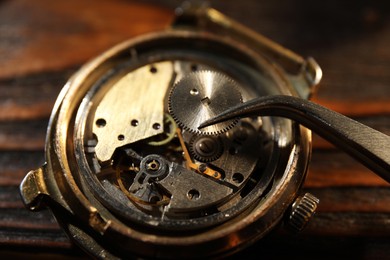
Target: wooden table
x=43 y=42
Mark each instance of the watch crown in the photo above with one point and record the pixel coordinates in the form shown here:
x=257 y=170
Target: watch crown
x=303 y=209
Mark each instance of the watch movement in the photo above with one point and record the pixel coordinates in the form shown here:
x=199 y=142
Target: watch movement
x=129 y=173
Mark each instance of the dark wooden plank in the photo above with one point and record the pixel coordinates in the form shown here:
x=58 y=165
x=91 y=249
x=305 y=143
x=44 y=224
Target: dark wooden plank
x=10 y=197
x=23 y=135
x=289 y=246
x=14 y=165
x=50 y=35
x=31 y=96
x=330 y=168
x=19 y=218
x=35 y=253
x=352 y=199
x=37 y=238
x=349 y=224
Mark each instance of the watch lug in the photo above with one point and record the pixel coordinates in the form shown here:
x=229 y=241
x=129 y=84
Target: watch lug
x=313 y=72
x=33 y=189
x=191 y=14
x=307 y=80
x=313 y=75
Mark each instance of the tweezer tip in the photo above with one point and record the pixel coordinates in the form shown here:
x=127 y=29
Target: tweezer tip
x=202 y=125
x=206 y=123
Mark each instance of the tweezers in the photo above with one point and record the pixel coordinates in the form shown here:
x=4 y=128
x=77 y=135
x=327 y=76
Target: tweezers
x=369 y=146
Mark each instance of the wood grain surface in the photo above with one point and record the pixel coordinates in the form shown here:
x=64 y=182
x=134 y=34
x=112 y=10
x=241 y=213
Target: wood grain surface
x=43 y=42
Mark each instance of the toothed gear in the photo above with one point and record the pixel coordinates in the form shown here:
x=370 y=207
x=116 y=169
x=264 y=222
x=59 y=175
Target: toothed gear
x=200 y=96
x=206 y=148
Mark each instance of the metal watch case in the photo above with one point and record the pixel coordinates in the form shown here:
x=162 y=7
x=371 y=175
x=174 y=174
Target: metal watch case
x=129 y=174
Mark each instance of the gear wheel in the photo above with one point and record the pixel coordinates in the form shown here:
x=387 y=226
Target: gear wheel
x=200 y=96
x=206 y=148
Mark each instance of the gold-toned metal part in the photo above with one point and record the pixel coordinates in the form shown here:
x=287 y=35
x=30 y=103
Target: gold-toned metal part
x=303 y=209
x=198 y=167
x=32 y=188
x=142 y=93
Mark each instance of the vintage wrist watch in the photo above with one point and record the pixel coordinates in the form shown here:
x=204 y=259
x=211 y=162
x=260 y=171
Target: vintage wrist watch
x=128 y=172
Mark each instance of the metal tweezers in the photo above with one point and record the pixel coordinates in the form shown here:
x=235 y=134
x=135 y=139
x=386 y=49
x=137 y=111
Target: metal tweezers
x=369 y=146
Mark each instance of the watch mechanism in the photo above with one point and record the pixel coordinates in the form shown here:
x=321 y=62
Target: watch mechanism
x=147 y=150
x=130 y=173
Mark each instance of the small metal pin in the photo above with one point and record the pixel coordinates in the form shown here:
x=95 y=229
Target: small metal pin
x=206 y=101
